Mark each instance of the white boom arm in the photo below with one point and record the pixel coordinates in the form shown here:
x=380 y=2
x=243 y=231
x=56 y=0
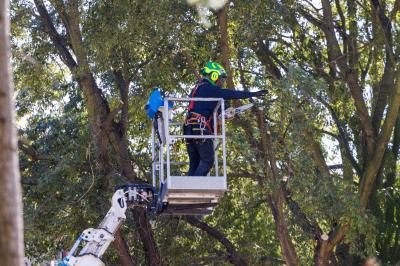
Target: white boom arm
x=99 y=239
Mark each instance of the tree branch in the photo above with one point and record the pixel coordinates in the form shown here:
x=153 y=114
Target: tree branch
x=385 y=26
x=373 y=166
x=123 y=86
x=396 y=8
x=60 y=7
x=381 y=146
x=387 y=81
x=350 y=75
x=54 y=36
x=264 y=55
x=316 y=153
x=241 y=72
x=223 y=41
x=342 y=134
x=189 y=61
x=32 y=152
x=276 y=198
x=313 y=20
x=110 y=117
x=329 y=31
x=344 y=138
x=234 y=258
x=305 y=223
x=343 y=27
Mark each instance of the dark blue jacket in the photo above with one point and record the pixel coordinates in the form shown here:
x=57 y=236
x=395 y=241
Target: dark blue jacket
x=208 y=90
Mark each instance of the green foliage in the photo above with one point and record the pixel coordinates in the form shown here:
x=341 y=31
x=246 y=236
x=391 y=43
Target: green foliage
x=154 y=44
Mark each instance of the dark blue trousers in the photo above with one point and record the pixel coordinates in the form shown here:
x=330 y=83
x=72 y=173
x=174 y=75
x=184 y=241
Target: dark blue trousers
x=201 y=156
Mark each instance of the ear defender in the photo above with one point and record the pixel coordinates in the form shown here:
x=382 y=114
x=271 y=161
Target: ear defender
x=214 y=76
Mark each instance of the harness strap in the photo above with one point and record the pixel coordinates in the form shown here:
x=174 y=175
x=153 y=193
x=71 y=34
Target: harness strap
x=194 y=118
x=193 y=94
x=198 y=119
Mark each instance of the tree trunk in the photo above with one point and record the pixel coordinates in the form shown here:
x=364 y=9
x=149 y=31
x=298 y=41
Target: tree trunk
x=103 y=129
x=223 y=42
x=11 y=231
x=276 y=197
x=287 y=248
x=121 y=246
x=143 y=226
x=322 y=252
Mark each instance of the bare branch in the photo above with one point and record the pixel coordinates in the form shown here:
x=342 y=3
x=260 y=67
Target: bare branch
x=344 y=139
x=335 y=166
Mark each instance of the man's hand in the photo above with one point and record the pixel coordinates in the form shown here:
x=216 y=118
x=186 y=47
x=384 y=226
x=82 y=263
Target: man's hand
x=259 y=93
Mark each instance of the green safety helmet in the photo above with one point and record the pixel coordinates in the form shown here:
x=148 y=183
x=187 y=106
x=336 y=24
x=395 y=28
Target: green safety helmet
x=215 y=69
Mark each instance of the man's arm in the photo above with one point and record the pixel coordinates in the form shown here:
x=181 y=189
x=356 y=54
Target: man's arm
x=227 y=94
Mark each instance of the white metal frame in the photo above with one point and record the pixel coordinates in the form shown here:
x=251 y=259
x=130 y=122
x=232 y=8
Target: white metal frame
x=159 y=152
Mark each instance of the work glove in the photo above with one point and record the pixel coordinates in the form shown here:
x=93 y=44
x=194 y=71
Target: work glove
x=259 y=93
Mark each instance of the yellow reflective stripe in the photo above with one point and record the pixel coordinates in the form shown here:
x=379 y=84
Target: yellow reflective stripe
x=208 y=70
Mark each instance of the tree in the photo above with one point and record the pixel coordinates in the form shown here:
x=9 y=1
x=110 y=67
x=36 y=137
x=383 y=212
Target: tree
x=287 y=202
x=11 y=231
x=104 y=130
x=330 y=48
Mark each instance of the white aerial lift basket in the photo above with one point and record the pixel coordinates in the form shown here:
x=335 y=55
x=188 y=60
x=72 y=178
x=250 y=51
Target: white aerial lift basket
x=182 y=194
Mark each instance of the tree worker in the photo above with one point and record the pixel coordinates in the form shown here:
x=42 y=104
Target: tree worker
x=199 y=116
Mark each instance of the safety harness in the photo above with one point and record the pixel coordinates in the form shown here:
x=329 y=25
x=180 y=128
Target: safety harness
x=197 y=119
